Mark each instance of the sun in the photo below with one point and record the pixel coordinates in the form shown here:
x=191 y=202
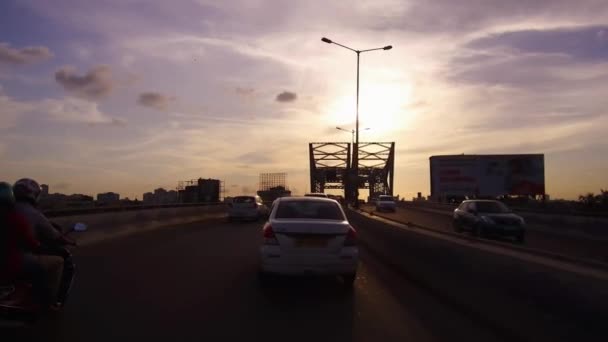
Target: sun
x=381 y=108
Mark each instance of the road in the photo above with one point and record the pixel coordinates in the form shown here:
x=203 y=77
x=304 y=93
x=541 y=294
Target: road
x=198 y=282
x=540 y=239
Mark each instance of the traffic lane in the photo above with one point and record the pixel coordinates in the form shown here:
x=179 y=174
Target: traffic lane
x=200 y=281
x=572 y=246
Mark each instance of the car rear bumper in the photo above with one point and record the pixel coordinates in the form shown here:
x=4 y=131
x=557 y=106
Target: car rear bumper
x=385 y=207
x=335 y=265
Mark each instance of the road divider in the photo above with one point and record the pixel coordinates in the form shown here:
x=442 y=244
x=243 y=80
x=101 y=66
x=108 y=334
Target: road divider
x=507 y=289
x=106 y=225
x=504 y=245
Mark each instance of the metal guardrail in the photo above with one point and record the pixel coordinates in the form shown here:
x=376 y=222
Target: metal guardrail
x=100 y=210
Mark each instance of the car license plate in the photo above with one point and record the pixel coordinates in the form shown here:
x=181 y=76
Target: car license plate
x=311 y=242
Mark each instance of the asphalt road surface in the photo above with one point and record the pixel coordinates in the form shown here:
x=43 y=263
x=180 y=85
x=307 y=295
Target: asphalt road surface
x=198 y=282
x=580 y=247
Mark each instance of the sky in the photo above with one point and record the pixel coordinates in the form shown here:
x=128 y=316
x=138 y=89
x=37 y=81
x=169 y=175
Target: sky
x=128 y=96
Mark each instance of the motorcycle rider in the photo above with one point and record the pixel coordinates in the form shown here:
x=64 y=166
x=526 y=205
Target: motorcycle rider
x=27 y=192
x=16 y=247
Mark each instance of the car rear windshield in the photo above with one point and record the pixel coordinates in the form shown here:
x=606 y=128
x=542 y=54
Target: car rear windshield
x=385 y=198
x=243 y=199
x=491 y=207
x=309 y=210
x=316 y=195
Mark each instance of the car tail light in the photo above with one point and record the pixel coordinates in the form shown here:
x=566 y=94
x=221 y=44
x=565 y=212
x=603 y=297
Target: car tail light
x=351 y=237
x=269 y=237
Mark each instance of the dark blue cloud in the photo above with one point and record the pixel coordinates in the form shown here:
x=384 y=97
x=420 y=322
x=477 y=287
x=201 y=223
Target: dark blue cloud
x=581 y=43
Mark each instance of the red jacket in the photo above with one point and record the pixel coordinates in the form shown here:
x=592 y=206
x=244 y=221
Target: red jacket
x=19 y=240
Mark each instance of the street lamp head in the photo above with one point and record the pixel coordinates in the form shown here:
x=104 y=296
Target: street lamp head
x=388 y=47
x=327 y=40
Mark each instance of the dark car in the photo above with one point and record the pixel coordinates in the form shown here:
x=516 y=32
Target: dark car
x=488 y=218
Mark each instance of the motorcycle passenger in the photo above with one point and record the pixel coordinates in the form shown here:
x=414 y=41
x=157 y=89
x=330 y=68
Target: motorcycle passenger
x=27 y=193
x=16 y=245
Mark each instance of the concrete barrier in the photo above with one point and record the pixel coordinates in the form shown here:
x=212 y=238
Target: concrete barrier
x=496 y=289
x=103 y=225
x=594 y=226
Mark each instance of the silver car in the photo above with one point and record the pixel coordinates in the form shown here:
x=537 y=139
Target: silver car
x=386 y=203
x=247 y=208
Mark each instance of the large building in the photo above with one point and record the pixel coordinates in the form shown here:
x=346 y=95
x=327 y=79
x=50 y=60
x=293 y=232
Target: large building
x=108 y=198
x=200 y=190
x=454 y=177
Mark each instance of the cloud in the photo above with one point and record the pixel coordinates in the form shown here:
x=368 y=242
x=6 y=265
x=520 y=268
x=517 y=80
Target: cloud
x=578 y=43
x=96 y=84
x=10 y=110
x=23 y=56
x=255 y=158
x=154 y=100
x=286 y=96
x=552 y=59
x=76 y=110
x=244 y=92
x=458 y=16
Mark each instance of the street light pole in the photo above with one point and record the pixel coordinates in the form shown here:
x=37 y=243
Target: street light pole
x=355 y=160
x=352 y=132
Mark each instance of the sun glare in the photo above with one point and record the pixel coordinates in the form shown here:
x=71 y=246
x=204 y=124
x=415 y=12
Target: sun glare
x=381 y=108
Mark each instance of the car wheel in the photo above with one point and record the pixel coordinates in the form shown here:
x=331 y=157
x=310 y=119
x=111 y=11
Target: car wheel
x=349 y=280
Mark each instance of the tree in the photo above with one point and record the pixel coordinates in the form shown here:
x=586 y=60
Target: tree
x=602 y=198
x=588 y=199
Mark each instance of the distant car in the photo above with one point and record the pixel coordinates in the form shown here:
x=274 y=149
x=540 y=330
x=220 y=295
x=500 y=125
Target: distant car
x=488 y=218
x=309 y=236
x=386 y=203
x=317 y=194
x=247 y=208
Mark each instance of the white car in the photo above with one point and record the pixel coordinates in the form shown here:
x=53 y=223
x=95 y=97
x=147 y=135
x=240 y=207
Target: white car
x=386 y=203
x=247 y=208
x=309 y=236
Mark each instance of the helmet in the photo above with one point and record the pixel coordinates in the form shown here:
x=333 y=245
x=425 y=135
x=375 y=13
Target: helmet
x=27 y=189
x=6 y=194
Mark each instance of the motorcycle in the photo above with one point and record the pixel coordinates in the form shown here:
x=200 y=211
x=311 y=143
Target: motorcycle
x=16 y=298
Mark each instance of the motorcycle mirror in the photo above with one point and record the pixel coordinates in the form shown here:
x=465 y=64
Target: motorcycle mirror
x=80 y=227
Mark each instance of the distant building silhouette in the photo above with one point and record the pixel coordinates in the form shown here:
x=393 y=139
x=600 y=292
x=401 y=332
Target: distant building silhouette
x=160 y=196
x=201 y=190
x=62 y=201
x=108 y=198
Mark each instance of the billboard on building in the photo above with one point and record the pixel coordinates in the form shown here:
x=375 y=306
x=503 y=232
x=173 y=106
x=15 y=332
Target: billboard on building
x=487 y=175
